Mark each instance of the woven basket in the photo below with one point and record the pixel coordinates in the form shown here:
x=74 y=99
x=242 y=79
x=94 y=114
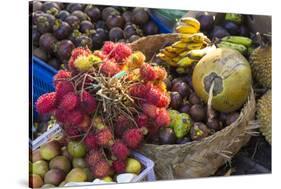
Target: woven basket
x=197 y=158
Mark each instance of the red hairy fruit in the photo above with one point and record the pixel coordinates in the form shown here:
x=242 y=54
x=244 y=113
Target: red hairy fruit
x=148 y=73
x=104 y=137
x=151 y=110
x=61 y=75
x=101 y=169
x=163 y=118
x=69 y=101
x=133 y=138
x=77 y=52
x=157 y=98
x=121 y=52
x=85 y=124
x=74 y=117
x=142 y=120
x=139 y=90
x=108 y=47
x=93 y=157
x=72 y=131
x=160 y=72
x=62 y=88
x=121 y=125
x=110 y=68
x=46 y=103
x=61 y=115
x=88 y=102
x=99 y=54
x=120 y=150
x=119 y=166
x=91 y=141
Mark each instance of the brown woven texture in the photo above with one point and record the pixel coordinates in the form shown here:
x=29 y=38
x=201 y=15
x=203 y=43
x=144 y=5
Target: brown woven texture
x=197 y=158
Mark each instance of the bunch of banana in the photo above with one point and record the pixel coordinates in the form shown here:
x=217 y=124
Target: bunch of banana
x=239 y=43
x=190 y=47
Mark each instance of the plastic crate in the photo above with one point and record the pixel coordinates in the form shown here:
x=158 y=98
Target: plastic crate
x=163 y=28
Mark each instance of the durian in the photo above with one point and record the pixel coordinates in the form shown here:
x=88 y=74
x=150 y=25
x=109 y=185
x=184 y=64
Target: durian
x=264 y=115
x=260 y=61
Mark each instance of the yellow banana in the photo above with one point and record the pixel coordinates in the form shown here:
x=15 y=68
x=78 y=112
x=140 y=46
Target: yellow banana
x=184 y=53
x=176 y=59
x=193 y=46
x=193 y=38
x=168 y=54
x=179 y=44
x=166 y=59
x=185 y=62
x=186 y=29
x=197 y=54
x=174 y=50
x=191 y=21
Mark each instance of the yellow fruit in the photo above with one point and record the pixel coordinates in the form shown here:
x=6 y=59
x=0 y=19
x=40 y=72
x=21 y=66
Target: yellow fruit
x=191 y=21
x=260 y=61
x=186 y=29
x=135 y=60
x=133 y=166
x=84 y=63
x=264 y=114
x=107 y=179
x=76 y=175
x=231 y=74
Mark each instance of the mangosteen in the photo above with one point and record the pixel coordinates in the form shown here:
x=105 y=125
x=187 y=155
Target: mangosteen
x=35 y=36
x=83 y=41
x=74 y=35
x=115 y=20
x=214 y=124
x=102 y=33
x=134 y=38
x=36 y=5
x=231 y=117
x=71 y=7
x=206 y=22
x=35 y=16
x=101 y=24
x=127 y=15
x=198 y=112
x=45 y=23
x=63 y=14
x=244 y=31
x=55 y=63
x=86 y=26
x=219 y=32
x=140 y=16
x=73 y=21
x=81 y=15
x=176 y=80
x=50 y=6
x=115 y=34
x=183 y=140
x=185 y=108
x=231 y=27
x=199 y=131
x=176 y=100
x=182 y=88
x=40 y=53
x=150 y=28
x=47 y=42
x=64 y=49
x=93 y=12
x=61 y=29
x=168 y=83
x=108 y=11
x=194 y=99
x=97 y=41
x=167 y=136
x=130 y=30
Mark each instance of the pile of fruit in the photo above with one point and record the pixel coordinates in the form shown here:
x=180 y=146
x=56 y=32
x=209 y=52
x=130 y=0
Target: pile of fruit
x=57 y=28
x=54 y=164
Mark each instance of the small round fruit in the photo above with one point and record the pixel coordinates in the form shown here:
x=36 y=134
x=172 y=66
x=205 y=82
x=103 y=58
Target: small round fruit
x=86 y=26
x=35 y=181
x=167 y=136
x=76 y=175
x=199 y=131
x=73 y=21
x=185 y=108
x=194 y=99
x=60 y=162
x=47 y=42
x=93 y=12
x=231 y=27
x=61 y=30
x=198 y=112
x=115 y=34
x=150 y=28
x=176 y=100
x=79 y=162
x=101 y=24
x=140 y=16
x=50 y=150
x=36 y=156
x=54 y=176
x=71 y=7
x=64 y=49
x=182 y=88
x=214 y=124
x=40 y=167
x=115 y=21
x=63 y=14
x=133 y=166
x=76 y=149
x=81 y=15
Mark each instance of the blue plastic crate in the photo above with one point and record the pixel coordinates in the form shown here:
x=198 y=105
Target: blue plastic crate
x=42 y=78
x=163 y=28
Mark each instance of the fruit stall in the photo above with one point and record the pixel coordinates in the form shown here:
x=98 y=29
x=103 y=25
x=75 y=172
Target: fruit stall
x=126 y=94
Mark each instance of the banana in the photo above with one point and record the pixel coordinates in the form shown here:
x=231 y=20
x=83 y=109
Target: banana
x=181 y=70
x=184 y=53
x=197 y=54
x=238 y=40
x=168 y=54
x=241 y=48
x=174 y=50
x=193 y=46
x=179 y=44
x=166 y=59
x=186 y=29
x=185 y=62
x=176 y=59
x=192 y=38
x=190 y=21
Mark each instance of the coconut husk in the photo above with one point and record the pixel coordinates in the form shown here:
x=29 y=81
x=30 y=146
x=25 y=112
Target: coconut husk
x=197 y=158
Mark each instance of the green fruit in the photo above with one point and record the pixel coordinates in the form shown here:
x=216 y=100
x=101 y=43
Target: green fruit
x=133 y=166
x=264 y=114
x=40 y=168
x=36 y=155
x=76 y=175
x=107 y=179
x=79 y=162
x=60 y=162
x=48 y=186
x=84 y=63
x=54 y=176
x=237 y=18
x=260 y=61
x=231 y=74
x=174 y=116
x=50 y=150
x=76 y=149
x=182 y=125
x=90 y=176
x=35 y=181
x=240 y=48
x=246 y=41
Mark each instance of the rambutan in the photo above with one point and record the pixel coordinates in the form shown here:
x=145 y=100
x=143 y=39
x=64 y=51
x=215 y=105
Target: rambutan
x=147 y=72
x=160 y=72
x=121 y=125
x=142 y=120
x=110 y=68
x=151 y=110
x=163 y=118
x=85 y=124
x=99 y=54
x=62 y=88
x=91 y=141
x=157 y=98
x=46 y=103
x=104 y=137
x=61 y=75
x=72 y=131
x=108 y=47
x=135 y=60
x=119 y=166
x=84 y=63
x=120 y=150
x=61 y=115
x=69 y=101
x=88 y=102
x=93 y=157
x=161 y=85
x=139 y=90
x=74 y=117
x=121 y=52
x=133 y=137
x=77 y=52
x=101 y=169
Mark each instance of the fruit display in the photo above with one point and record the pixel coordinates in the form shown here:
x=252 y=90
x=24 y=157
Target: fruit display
x=57 y=28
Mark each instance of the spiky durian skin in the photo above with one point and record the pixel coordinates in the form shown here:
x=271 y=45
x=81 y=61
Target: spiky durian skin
x=264 y=113
x=261 y=65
